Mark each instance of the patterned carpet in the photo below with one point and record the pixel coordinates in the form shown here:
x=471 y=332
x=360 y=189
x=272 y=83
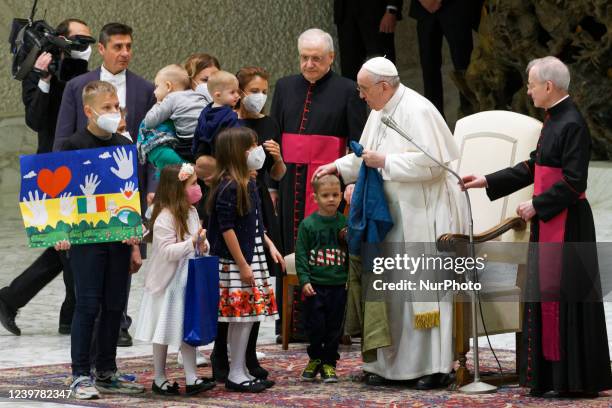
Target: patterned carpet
x=285 y=367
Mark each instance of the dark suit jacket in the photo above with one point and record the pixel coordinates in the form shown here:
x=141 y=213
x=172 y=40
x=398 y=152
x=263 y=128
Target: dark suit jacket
x=466 y=10
x=139 y=99
x=42 y=108
x=373 y=9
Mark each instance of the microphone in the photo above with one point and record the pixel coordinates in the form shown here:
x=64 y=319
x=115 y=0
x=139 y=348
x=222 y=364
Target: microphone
x=477 y=386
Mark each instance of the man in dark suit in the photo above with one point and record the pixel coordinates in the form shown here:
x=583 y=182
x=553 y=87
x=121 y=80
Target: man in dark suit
x=366 y=28
x=135 y=97
x=42 y=95
x=454 y=20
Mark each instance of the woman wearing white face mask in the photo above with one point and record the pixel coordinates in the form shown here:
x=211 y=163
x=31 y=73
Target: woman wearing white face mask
x=200 y=67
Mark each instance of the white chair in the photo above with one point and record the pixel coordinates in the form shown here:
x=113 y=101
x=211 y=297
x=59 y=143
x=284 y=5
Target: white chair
x=491 y=141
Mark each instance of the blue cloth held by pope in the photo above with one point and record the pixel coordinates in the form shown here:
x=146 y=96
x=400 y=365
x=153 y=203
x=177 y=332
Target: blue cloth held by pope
x=201 y=301
x=369 y=217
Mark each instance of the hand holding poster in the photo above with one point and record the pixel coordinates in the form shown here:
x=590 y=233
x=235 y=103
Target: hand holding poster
x=83 y=196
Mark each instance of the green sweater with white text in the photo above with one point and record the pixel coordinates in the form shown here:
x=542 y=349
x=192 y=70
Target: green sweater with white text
x=319 y=257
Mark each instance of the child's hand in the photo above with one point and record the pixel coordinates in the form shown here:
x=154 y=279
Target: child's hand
x=276 y=256
x=62 y=245
x=135 y=259
x=199 y=241
x=308 y=290
x=131 y=241
x=246 y=275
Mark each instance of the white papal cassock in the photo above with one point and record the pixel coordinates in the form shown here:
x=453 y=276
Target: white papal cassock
x=424 y=201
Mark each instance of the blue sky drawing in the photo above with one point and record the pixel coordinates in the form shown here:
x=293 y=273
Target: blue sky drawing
x=100 y=162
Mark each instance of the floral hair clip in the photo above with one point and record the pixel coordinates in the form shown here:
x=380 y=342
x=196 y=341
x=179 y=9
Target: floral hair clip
x=186 y=171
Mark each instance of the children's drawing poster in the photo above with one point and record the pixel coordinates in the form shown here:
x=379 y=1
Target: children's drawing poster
x=83 y=196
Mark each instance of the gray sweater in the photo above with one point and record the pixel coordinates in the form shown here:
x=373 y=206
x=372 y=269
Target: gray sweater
x=183 y=107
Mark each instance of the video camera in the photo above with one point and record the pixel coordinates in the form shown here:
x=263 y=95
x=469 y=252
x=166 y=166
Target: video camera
x=28 y=39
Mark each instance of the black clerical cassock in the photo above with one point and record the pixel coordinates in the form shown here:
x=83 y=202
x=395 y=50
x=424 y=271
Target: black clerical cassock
x=317 y=121
x=565 y=345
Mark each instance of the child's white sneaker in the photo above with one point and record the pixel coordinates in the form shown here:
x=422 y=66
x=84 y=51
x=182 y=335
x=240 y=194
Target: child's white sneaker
x=83 y=388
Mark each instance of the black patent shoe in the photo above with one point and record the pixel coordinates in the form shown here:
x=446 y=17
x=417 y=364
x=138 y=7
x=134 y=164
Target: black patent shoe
x=205 y=384
x=258 y=371
x=7 y=319
x=246 y=386
x=170 y=390
x=267 y=383
x=220 y=369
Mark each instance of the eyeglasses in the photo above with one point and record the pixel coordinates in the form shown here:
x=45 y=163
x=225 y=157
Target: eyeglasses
x=365 y=88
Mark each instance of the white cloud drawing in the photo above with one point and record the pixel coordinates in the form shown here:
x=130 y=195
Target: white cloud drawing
x=105 y=155
x=88 y=161
x=30 y=175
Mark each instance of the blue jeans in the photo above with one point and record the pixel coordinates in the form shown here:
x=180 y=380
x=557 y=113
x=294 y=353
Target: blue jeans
x=101 y=273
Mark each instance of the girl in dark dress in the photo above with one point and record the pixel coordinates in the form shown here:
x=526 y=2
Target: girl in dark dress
x=253 y=82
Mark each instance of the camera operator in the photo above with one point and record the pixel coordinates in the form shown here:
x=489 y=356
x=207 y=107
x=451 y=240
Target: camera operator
x=42 y=96
x=42 y=93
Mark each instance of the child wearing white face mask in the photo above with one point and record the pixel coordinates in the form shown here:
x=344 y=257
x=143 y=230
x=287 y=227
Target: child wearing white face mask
x=237 y=235
x=166 y=133
x=101 y=271
x=101 y=106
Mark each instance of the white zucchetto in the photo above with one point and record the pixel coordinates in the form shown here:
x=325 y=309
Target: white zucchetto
x=380 y=66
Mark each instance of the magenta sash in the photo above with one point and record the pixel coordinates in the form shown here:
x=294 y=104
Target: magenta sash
x=313 y=151
x=550 y=250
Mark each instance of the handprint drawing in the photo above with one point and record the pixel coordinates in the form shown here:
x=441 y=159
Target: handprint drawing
x=125 y=164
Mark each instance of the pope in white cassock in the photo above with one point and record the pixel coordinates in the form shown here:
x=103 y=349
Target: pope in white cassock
x=424 y=203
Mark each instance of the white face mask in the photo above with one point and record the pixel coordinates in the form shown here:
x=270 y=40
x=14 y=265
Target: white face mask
x=256 y=158
x=254 y=102
x=83 y=55
x=203 y=89
x=109 y=121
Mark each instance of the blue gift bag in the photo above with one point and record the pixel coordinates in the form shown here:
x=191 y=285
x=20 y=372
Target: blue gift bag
x=201 y=301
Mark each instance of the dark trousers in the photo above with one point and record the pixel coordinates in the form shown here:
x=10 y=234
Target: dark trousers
x=324 y=314
x=101 y=273
x=360 y=39
x=38 y=275
x=458 y=34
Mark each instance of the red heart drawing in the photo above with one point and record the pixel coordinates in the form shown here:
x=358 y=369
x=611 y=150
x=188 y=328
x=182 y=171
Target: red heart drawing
x=54 y=182
x=128 y=193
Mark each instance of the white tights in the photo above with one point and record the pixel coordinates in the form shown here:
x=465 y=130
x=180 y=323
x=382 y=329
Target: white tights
x=160 y=352
x=238 y=337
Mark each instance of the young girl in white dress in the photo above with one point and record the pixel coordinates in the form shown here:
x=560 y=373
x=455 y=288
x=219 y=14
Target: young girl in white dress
x=177 y=233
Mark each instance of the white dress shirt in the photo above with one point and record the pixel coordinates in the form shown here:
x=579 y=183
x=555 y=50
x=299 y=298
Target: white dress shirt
x=118 y=80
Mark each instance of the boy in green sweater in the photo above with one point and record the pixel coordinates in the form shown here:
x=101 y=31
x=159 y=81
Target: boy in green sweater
x=321 y=264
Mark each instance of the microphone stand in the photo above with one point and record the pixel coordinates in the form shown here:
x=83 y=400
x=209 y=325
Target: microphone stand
x=476 y=386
